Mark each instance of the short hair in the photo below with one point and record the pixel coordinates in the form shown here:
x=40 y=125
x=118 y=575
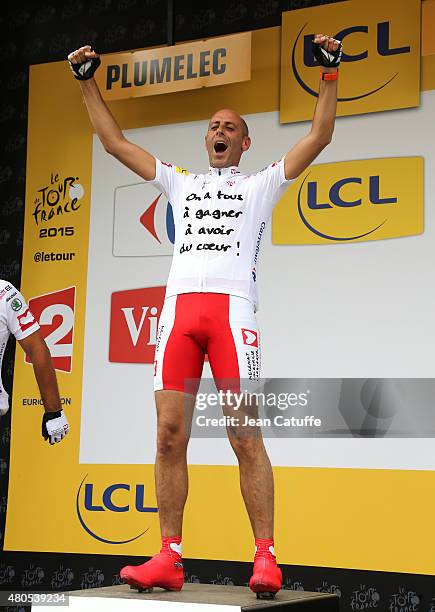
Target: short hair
x=244 y=127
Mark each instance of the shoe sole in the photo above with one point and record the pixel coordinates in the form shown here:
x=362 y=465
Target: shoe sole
x=263 y=591
x=141 y=588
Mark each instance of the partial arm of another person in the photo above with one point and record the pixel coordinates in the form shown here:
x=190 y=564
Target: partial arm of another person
x=106 y=127
x=308 y=148
x=54 y=425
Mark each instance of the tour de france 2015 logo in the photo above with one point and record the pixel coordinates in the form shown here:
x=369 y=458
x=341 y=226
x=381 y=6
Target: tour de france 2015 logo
x=112 y=512
x=352 y=201
x=380 y=61
x=59 y=199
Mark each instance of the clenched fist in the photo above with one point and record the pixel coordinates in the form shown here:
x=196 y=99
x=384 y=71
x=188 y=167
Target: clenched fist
x=327 y=50
x=84 y=62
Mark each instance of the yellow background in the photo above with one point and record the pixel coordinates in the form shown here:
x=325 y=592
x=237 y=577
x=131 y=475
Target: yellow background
x=404 y=218
x=360 y=76
x=237 y=60
x=367 y=519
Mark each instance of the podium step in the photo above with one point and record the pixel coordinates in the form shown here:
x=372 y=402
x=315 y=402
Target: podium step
x=198 y=598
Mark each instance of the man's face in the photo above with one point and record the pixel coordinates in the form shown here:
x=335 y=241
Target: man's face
x=226 y=140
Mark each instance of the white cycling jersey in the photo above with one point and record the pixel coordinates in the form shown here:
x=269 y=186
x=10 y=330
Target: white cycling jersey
x=16 y=319
x=219 y=220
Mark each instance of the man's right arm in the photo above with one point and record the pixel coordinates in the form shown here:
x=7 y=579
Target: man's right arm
x=106 y=127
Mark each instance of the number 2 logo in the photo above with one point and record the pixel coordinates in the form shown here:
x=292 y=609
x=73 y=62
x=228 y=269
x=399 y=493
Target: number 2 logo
x=55 y=314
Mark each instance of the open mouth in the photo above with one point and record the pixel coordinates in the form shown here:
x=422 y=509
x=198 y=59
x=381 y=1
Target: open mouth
x=220 y=146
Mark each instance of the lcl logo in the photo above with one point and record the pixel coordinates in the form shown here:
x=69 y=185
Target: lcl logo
x=353 y=200
x=370 y=185
x=384 y=48
x=115 y=498
x=336 y=197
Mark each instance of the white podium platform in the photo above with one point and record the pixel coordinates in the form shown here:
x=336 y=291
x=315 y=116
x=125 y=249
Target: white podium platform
x=196 y=598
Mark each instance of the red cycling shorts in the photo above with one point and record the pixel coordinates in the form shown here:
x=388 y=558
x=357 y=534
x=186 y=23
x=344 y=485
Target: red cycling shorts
x=193 y=325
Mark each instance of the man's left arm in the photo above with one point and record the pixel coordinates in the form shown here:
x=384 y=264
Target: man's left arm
x=54 y=423
x=308 y=148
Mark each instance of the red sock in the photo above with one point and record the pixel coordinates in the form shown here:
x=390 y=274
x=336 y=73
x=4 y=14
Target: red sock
x=264 y=545
x=172 y=544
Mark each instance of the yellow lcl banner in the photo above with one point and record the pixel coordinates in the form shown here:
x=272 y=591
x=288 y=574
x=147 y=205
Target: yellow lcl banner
x=352 y=201
x=380 y=66
x=205 y=63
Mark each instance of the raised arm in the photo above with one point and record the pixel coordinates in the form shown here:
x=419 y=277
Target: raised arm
x=104 y=123
x=308 y=148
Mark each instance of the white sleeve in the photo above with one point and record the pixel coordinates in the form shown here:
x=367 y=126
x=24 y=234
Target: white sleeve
x=169 y=180
x=271 y=185
x=19 y=319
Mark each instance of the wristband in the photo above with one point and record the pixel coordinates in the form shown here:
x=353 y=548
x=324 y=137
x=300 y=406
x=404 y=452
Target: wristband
x=328 y=76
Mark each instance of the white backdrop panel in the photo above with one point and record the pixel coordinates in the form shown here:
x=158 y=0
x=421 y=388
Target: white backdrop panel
x=347 y=310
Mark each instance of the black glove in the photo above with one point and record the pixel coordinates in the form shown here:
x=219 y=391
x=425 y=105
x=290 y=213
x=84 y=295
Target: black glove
x=54 y=426
x=329 y=59
x=85 y=70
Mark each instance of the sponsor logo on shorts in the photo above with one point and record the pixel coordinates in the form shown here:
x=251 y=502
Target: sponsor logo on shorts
x=250 y=337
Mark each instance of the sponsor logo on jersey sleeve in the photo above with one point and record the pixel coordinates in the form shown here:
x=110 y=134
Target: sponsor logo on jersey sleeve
x=4 y=291
x=26 y=320
x=16 y=305
x=11 y=297
x=179 y=170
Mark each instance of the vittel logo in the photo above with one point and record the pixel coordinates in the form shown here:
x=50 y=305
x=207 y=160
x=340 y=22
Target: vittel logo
x=134 y=319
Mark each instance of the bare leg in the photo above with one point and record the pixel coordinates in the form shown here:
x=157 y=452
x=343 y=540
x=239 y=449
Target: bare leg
x=174 y=418
x=256 y=476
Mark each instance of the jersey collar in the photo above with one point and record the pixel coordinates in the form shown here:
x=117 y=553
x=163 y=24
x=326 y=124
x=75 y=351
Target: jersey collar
x=231 y=171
